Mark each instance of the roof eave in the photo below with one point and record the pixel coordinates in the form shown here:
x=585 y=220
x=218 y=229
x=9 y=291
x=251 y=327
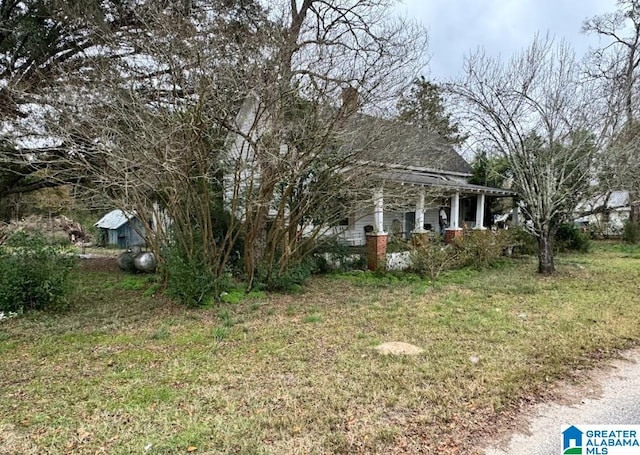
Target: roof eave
x=417 y=168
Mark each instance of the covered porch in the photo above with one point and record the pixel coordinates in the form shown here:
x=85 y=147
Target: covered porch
x=462 y=206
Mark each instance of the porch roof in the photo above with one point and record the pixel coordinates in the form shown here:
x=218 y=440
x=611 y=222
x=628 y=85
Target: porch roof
x=418 y=179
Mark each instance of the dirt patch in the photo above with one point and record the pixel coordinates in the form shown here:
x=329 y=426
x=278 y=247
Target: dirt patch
x=398 y=348
x=99 y=264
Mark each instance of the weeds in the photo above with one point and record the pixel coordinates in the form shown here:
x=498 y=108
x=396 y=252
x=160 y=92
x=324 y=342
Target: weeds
x=33 y=274
x=133 y=283
x=220 y=333
x=161 y=334
x=137 y=367
x=312 y=318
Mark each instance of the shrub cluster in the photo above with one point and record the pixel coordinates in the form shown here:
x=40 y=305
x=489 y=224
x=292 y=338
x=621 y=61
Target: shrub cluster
x=432 y=258
x=189 y=278
x=477 y=249
x=631 y=232
x=331 y=255
x=290 y=279
x=480 y=249
x=33 y=274
x=525 y=242
x=571 y=238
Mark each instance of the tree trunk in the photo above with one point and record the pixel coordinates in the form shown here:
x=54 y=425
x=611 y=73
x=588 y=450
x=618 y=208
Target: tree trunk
x=545 y=253
x=634 y=205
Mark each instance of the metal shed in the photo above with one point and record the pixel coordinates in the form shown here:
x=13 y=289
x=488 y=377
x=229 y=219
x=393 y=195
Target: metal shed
x=121 y=229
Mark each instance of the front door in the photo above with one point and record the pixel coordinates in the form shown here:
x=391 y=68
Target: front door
x=409 y=224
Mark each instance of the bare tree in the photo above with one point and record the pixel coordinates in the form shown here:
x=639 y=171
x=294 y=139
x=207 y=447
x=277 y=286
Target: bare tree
x=45 y=47
x=333 y=58
x=616 y=69
x=239 y=130
x=534 y=112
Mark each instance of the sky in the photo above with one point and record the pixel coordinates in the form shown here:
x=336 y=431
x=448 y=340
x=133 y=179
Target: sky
x=501 y=27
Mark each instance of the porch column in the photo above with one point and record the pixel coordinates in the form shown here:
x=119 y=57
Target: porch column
x=377 y=240
x=378 y=213
x=514 y=217
x=419 y=227
x=454 y=230
x=480 y=211
x=455 y=211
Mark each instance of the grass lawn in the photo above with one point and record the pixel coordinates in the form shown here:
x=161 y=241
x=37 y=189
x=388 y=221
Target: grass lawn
x=126 y=371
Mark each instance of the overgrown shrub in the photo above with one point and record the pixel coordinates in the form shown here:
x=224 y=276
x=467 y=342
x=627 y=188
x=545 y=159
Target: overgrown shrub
x=33 y=274
x=480 y=249
x=271 y=278
x=631 y=232
x=570 y=238
x=432 y=258
x=523 y=241
x=190 y=280
x=397 y=244
x=330 y=255
x=476 y=249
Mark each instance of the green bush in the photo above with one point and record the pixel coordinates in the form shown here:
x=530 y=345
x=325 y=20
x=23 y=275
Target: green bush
x=570 y=238
x=476 y=249
x=33 y=275
x=190 y=280
x=331 y=255
x=631 y=232
x=397 y=244
x=481 y=249
x=291 y=279
x=524 y=241
x=234 y=296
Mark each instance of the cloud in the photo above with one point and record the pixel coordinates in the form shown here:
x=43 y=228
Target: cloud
x=501 y=27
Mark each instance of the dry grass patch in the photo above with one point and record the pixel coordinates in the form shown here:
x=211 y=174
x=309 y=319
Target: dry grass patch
x=129 y=372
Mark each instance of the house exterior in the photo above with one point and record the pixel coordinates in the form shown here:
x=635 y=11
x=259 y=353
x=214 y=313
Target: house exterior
x=429 y=192
x=605 y=214
x=419 y=177
x=412 y=176
x=120 y=229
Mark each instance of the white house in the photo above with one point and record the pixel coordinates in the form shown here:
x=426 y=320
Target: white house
x=413 y=175
x=418 y=174
x=605 y=213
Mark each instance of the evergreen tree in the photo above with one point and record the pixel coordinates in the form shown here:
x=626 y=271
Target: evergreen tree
x=424 y=107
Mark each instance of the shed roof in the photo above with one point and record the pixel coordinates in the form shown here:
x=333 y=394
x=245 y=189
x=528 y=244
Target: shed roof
x=114 y=219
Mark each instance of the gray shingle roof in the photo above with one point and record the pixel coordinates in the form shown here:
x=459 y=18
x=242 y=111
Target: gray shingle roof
x=396 y=143
x=616 y=200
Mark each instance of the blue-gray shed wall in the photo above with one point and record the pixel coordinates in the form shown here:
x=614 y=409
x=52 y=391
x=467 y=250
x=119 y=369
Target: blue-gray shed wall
x=126 y=236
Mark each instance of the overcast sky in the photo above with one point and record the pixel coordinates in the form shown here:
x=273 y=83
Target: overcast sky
x=501 y=27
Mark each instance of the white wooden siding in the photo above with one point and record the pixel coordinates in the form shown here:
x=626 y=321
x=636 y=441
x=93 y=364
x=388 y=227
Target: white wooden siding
x=354 y=234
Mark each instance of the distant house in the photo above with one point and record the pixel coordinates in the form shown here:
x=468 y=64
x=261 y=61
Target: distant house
x=120 y=229
x=605 y=213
